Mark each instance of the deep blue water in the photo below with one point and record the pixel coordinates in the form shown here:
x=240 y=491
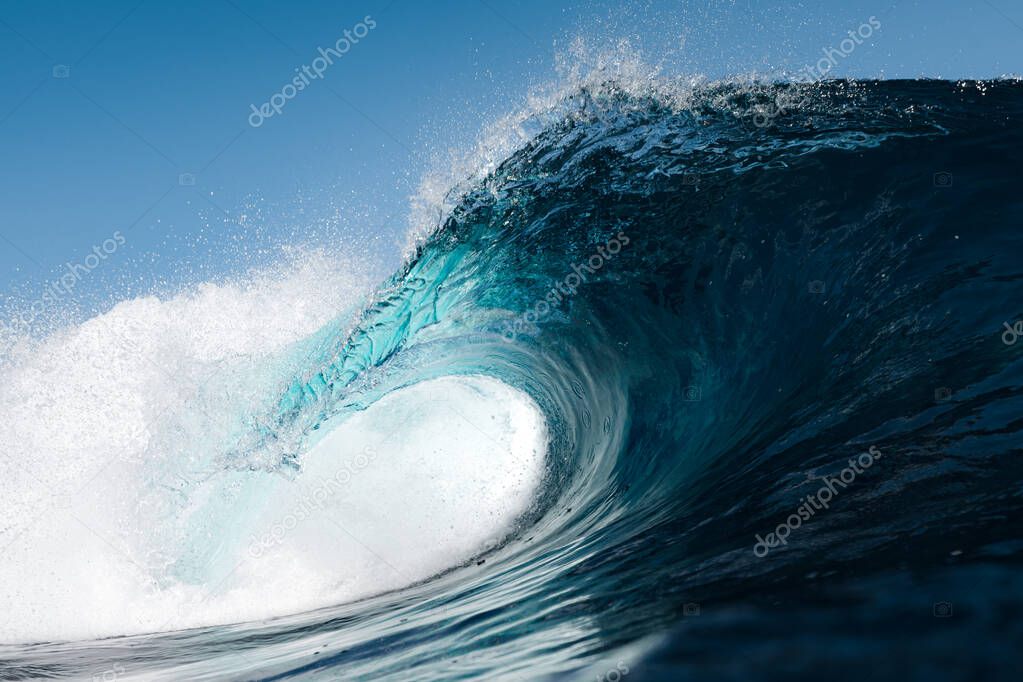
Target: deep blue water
x=738 y=298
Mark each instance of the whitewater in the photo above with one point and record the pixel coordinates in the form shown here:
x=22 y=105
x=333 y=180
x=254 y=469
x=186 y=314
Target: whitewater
x=128 y=525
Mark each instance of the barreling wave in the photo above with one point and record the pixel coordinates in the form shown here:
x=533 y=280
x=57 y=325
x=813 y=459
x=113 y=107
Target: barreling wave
x=700 y=310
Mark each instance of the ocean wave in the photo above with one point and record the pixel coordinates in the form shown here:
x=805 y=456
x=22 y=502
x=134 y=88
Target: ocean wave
x=620 y=357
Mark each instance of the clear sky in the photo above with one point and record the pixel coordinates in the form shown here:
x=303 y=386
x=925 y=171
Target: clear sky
x=135 y=117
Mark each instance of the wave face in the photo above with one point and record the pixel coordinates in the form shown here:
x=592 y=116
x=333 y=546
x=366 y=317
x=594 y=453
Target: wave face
x=679 y=321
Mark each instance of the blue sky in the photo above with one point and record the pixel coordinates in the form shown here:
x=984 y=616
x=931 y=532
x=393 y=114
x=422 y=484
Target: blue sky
x=157 y=94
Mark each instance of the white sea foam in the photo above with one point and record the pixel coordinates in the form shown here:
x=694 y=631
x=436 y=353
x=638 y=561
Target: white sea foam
x=120 y=514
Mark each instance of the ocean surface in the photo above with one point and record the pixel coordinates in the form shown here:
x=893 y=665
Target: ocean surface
x=719 y=382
